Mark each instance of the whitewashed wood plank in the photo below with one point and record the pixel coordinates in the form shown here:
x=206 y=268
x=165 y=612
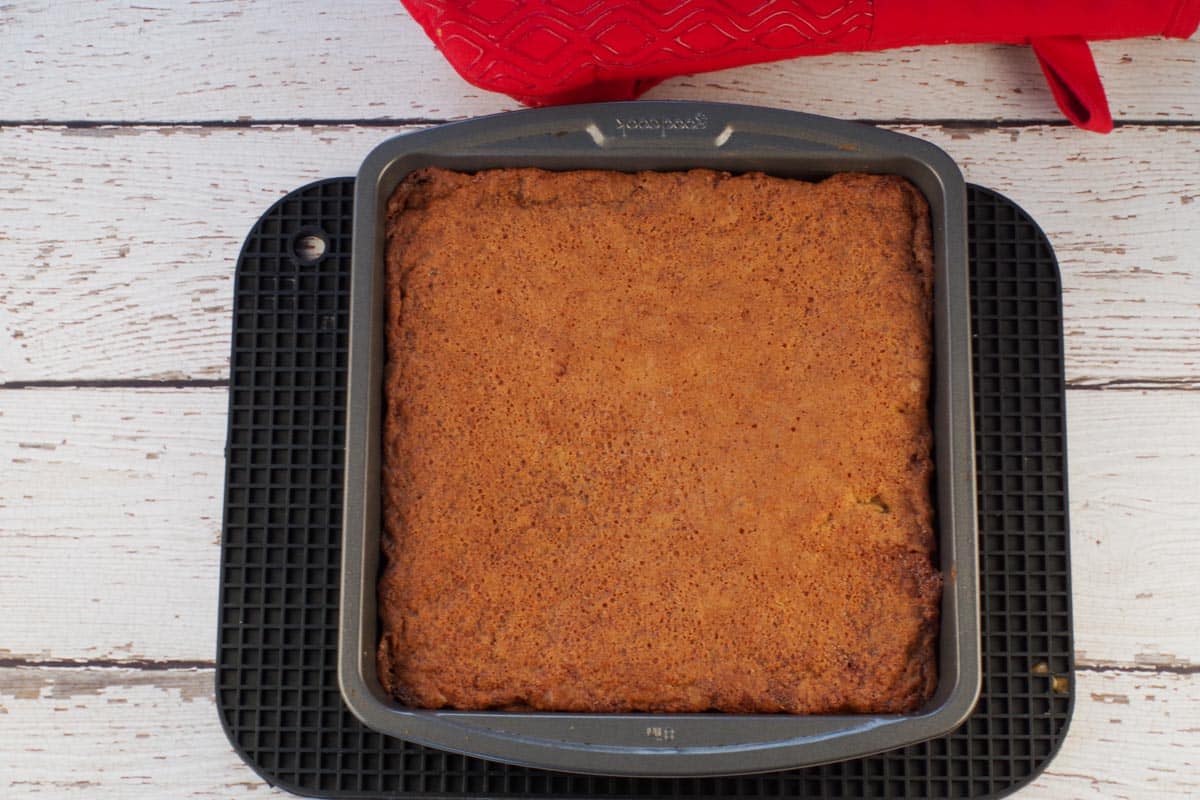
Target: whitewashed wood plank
x=242 y=59
x=1133 y=735
x=135 y=734
x=1134 y=481
x=118 y=251
x=110 y=523
x=1124 y=222
x=117 y=733
x=110 y=513
x=122 y=263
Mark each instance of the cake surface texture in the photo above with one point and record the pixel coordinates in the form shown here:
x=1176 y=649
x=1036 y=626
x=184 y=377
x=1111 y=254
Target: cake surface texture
x=658 y=442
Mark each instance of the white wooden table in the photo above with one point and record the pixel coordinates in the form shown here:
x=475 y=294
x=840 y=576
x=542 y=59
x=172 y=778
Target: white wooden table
x=138 y=144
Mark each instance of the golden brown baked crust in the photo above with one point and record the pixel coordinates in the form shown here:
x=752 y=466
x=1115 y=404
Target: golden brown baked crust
x=658 y=442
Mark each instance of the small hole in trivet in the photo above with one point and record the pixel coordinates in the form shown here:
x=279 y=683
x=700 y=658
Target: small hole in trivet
x=309 y=248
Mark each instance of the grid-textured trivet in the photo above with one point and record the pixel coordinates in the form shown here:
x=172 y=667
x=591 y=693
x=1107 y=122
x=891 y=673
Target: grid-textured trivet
x=277 y=686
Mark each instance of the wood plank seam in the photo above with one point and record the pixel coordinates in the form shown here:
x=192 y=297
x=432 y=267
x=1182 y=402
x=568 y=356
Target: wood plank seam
x=1160 y=669
x=948 y=123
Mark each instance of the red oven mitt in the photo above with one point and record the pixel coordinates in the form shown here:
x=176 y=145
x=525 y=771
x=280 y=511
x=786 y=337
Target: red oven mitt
x=548 y=52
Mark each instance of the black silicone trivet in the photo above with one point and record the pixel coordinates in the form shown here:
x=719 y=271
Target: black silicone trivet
x=277 y=687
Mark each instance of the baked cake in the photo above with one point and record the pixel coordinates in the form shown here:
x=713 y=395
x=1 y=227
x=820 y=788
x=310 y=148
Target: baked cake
x=658 y=442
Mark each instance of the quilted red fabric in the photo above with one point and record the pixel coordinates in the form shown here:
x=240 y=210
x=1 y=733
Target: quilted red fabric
x=547 y=52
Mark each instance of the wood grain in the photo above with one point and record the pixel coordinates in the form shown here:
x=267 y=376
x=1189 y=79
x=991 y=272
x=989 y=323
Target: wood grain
x=136 y=231
x=247 y=60
x=134 y=478
x=1126 y=231
x=138 y=734
x=117 y=733
x=1133 y=735
x=1134 y=482
x=110 y=520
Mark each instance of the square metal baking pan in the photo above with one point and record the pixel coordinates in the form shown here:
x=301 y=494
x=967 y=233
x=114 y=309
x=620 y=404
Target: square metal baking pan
x=665 y=136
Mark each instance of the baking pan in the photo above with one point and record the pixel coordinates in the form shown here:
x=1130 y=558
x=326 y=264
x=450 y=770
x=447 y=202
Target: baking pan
x=664 y=136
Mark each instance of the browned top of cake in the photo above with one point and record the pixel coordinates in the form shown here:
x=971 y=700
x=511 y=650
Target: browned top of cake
x=658 y=442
